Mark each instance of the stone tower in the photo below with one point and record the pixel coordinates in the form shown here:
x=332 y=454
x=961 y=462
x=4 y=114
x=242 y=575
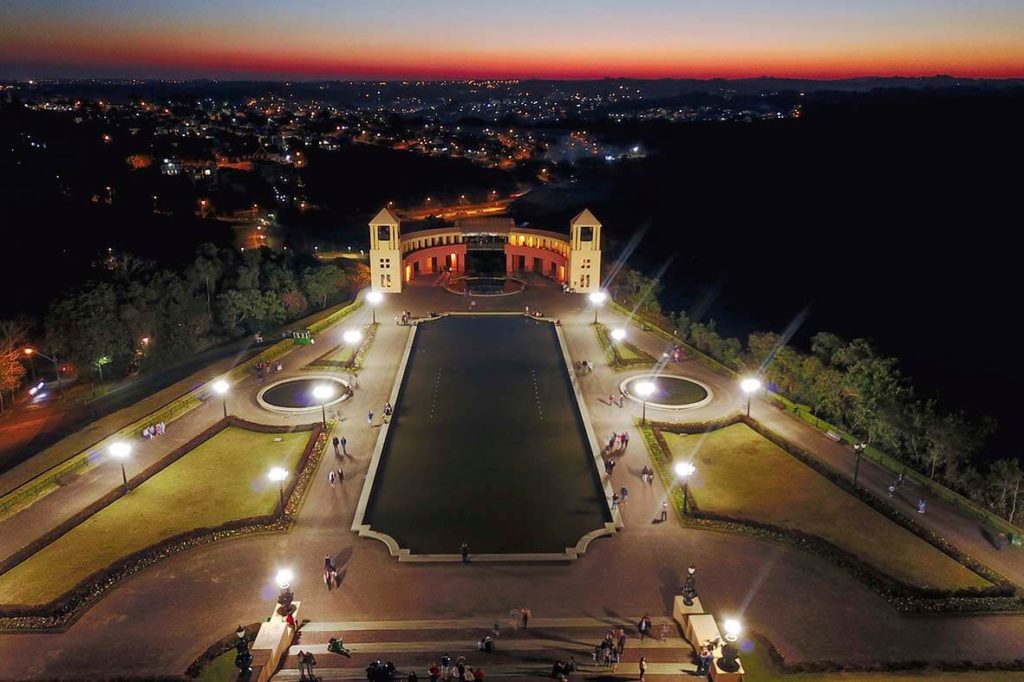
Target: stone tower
x=585 y=253
x=385 y=253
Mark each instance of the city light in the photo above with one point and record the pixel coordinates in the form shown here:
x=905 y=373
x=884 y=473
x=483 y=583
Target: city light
x=284 y=578
x=220 y=387
x=684 y=469
x=750 y=386
x=374 y=298
x=732 y=628
x=352 y=336
x=618 y=334
x=277 y=474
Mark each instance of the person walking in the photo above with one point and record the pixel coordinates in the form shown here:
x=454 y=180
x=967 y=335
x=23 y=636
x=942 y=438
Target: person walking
x=615 y=501
x=664 y=511
x=336 y=443
x=625 y=441
x=526 y=617
x=341 y=475
x=643 y=669
x=465 y=553
x=623 y=495
x=446 y=662
x=330 y=477
x=622 y=640
x=369 y=417
x=344 y=442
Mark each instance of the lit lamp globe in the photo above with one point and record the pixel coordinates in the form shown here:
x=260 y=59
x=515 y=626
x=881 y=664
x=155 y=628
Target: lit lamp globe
x=322 y=392
x=374 y=298
x=277 y=475
x=352 y=337
x=618 y=334
x=732 y=628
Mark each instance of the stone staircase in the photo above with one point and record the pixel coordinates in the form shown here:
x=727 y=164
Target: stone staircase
x=529 y=653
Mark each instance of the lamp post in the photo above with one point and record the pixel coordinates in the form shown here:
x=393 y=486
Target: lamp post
x=374 y=298
x=352 y=337
x=750 y=386
x=689 y=586
x=278 y=474
x=221 y=387
x=618 y=334
x=243 y=657
x=56 y=366
x=683 y=471
x=285 y=598
x=597 y=299
x=729 y=662
x=858 y=448
x=323 y=393
x=644 y=389
x=120 y=450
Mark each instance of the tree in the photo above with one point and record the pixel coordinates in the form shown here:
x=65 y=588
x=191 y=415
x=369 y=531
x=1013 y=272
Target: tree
x=1005 y=477
x=320 y=282
x=207 y=268
x=12 y=340
x=236 y=306
x=951 y=442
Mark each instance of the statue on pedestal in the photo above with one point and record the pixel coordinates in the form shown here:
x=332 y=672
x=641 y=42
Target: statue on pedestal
x=689 y=587
x=243 y=657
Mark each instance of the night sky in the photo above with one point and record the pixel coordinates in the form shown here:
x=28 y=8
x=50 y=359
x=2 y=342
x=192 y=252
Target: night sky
x=566 y=39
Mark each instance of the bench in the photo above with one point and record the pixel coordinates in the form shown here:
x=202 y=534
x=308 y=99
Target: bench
x=832 y=435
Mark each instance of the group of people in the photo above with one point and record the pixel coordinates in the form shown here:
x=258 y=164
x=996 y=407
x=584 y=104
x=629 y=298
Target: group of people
x=561 y=670
x=647 y=475
x=619 y=400
x=445 y=669
x=330 y=573
x=403 y=318
x=583 y=366
x=307 y=661
x=618 y=441
x=263 y=368
x=153 y=430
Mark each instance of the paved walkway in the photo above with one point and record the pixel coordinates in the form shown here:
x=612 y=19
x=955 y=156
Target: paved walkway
x=158 y=621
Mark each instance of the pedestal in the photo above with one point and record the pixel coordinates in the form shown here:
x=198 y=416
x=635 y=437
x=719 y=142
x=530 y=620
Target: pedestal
x=680 y=611
x=719 y=675
x=271 y=643
x=701 y=629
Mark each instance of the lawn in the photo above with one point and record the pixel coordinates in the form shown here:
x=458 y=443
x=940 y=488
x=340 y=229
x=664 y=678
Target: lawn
x=758 y=667
x=223 y=479
x=745 y=476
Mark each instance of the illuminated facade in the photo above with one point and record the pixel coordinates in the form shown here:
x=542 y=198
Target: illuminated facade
x=397 y=257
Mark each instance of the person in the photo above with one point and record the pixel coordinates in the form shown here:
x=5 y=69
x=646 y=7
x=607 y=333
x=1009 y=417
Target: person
x=336 y=443
x=331 y=476
x=344 y=442
x=310 y=662
x=611 y=399
x=412 y=676
x=663 y=632
x=369 y=417
x=526 y=617
x=899 y=480
x=892 y=489
x=704 y=659
x=446 y=662
x=479 y=673
x=624 y=495
x=625 y=441
x=434 y=671
x=643 y=474
x=622 y=640
x=341 y=475
x=465 y=553
x=335 y=646
x=920 y=506
x=496 y=629
x=664 y=511
x=388 y=410
x=472 y=304
x=608 y=467
x=302 y=665
x=571 y=666
x=611 y=464
x=615 y=501
x=643 y=668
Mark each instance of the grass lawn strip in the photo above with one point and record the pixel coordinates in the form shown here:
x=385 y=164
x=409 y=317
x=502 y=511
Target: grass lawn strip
x=757 y=665
x=221 y=480
x=621 y=355
x=744 y=476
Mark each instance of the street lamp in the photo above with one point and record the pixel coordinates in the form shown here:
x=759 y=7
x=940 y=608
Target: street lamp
x=323 y=393
x=56 y=366
x=750 y=386
x=858 y=448
x=729 y=662
x=220 y=387
x=120 y=450
x=374 y=298
x=618 y=334
x=597 y=299
x=732 y=628
x=278 y=474
x=684 y=470
x=689 y=586
x=284 y=580
x=644 y=389
x=352 y=337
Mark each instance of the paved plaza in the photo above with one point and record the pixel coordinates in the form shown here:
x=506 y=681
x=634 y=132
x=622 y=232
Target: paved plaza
x=158 y=621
